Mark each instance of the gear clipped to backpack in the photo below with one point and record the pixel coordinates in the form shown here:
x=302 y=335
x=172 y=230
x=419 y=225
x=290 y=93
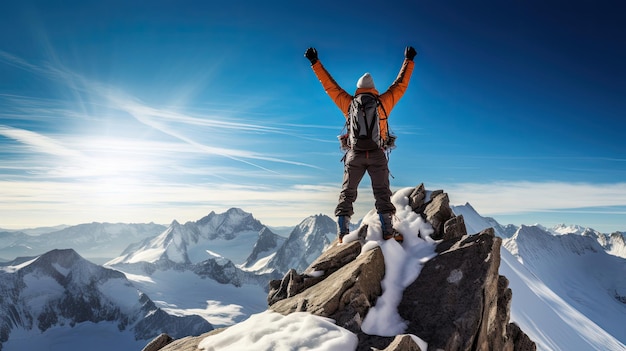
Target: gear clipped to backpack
x=363 y=126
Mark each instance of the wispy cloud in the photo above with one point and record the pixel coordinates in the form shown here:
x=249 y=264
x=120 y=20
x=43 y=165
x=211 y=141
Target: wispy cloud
x=157 y=118
x=38 y=142
x=19 y=63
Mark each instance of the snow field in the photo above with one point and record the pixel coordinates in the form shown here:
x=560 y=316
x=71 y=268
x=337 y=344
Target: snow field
x=184 y=293
x=271 y=331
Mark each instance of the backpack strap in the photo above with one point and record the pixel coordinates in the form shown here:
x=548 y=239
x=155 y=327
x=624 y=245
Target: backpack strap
x=382 y=107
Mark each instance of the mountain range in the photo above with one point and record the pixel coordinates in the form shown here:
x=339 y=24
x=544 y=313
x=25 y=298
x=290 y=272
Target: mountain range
x=568 y=281
x=60 y=290
x=97 y=242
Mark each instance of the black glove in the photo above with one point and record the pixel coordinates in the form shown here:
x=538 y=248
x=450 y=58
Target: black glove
x=410 y=53
x=311 y=54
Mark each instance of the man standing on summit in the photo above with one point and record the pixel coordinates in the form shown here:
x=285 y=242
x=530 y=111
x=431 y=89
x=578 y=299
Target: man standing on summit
x=362 y=155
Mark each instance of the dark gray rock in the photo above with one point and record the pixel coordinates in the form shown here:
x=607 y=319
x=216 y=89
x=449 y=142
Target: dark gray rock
x=417 y=199
x=158 y=343
x=437 y=212
x=518 y=340
x=326 y=264
x=459 y=302
x=403 y=343
x=454 y=228
x=345 y=295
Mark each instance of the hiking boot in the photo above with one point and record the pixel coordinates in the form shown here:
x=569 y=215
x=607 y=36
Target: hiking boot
x=388 y=231
x=394 y=234
x=343 y=222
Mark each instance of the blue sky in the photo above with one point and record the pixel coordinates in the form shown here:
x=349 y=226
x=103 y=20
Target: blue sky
x=161 y=110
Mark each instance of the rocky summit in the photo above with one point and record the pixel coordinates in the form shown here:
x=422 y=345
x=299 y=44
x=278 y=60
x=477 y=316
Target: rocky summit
x=458 y=301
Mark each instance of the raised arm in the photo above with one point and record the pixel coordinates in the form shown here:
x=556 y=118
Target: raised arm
x=339 y=96
x=391 y=97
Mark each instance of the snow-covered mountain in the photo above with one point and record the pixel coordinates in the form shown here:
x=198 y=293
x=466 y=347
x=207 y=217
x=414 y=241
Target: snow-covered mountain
x=219 y=267
x=577 y=269
x=567 y=290
x=474 y=222
x=551 y=322
x=233 y=241
x=98 y=242
x=264 y=249
x=614 y=244
x=232 y=235
x=204 y=267
x=59 y=294
x=305 y=243
x=567 y=281
x=563 y=228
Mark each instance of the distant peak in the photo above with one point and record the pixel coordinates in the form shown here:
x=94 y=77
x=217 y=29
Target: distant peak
x=568 y=229
x=63 y=257
x=265 y=231
x=531 y=231
x=61 y=253
x=238 y=213
x=318 y=218
x=231 y=212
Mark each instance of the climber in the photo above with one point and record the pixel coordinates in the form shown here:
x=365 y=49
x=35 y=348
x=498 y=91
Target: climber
x=366 y=155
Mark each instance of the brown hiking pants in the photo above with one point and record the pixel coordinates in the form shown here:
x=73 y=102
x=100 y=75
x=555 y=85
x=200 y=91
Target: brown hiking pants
x=356 y=163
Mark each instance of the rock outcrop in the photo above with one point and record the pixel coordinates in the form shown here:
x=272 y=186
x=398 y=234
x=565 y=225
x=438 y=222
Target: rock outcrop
x=346 y=297
x=158 y=343
x=458 y=301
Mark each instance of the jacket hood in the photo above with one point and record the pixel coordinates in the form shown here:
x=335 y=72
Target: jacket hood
x=367 y=90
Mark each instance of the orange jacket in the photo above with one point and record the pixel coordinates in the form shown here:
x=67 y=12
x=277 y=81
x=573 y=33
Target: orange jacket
x=388 y=99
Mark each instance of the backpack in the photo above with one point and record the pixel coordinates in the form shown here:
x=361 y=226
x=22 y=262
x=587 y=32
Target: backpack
x=363 y=127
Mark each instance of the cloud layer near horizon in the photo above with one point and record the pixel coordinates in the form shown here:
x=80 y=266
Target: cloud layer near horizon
x=32 y=204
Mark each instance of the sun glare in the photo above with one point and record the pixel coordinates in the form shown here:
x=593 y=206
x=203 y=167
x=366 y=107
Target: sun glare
x=116 y=176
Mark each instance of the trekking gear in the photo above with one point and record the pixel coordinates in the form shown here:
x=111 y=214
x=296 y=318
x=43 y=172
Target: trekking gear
x=395 y=235
x=363 y=126
x=387 y=226
x=364 y=130
x=311 y=54
x=343 y=223
x=409 y=53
